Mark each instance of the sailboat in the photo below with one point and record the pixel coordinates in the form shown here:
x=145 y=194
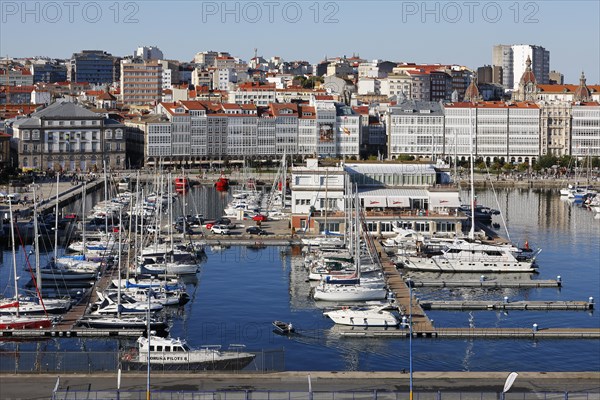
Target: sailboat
x=472 y=256
x=17 y=320
x=359 y=291
x=111 y=303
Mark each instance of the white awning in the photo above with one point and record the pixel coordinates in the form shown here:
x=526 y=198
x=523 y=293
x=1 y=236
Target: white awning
x=444 y=200
x=398 y=201
x=375 y=201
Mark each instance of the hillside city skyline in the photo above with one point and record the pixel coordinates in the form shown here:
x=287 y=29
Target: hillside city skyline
x=426 y=33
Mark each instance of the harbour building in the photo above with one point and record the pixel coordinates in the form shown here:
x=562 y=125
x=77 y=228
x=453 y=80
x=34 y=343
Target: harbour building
x=410 y=196
x=68 y=137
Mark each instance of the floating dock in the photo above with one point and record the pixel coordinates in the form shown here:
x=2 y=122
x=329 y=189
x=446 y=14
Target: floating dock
x=506 y=305
x=495 y=284
x=470 y=333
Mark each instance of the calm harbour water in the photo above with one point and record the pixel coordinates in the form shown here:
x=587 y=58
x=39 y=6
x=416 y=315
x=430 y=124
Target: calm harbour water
x=240 y=291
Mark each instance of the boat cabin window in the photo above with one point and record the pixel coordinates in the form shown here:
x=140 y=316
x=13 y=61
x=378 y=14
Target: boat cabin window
x=151 y=348
x=493 y=253
x=159 y=348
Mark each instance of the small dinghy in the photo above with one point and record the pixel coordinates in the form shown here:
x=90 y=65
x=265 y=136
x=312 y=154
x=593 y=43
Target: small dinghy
x=283 y=328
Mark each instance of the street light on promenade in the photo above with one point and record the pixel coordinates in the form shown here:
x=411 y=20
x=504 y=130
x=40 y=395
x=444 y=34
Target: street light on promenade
x=410 y=332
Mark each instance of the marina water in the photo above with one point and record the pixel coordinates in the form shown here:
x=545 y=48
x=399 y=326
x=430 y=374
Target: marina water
x=240 y=291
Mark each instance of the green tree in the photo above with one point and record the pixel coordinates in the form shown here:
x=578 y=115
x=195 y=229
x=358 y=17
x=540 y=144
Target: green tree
x=508 y=167
x=523 y=167
x=546 y=161
x=566 y=161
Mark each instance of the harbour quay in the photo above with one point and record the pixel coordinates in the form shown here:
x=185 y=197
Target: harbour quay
x=331 y=384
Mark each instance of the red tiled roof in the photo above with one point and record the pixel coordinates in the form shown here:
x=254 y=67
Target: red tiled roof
x=361 y=109
x=17 y=89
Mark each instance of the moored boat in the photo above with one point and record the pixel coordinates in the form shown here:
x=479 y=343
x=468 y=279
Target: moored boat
x=175 y=354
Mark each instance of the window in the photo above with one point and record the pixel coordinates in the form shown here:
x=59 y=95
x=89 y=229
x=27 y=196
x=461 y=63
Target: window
x=108 y=134
x=25 y=135
x=35 y=135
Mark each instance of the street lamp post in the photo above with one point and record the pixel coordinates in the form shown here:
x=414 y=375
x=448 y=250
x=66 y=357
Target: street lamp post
x=410 y=337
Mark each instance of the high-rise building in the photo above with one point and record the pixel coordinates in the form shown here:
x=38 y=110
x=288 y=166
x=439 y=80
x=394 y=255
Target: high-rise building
x=512 y=59
x=540 y=62
x=93 y=66
x=502 y=56
x=141 y=82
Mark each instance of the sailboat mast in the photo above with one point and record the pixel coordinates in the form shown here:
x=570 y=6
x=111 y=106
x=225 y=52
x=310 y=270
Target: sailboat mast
x=358 y=234
x=83 y=217
x=185 y=185
x=56 y=220
x=105 y=201
x=119 y=262
x=283 y=179
x=170 y=215
x=14 y=253
x=36 y=243
x=326 y=198
x=472 y=230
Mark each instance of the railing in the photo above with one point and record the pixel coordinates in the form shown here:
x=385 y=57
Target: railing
x=27 y=362
x=62 y=394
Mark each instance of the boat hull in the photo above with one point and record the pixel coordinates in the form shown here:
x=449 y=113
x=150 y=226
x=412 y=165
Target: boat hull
x=135 y=364
x=347 y=293
x=433 y=264
x=362 y=318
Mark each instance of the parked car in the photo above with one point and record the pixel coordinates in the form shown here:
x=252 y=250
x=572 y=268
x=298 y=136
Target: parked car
x=220 y=229
x=255 y=230
x=260 y=218
x=225 y=221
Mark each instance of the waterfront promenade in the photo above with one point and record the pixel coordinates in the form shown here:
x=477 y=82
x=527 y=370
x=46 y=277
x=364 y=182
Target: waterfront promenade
x=586 y=384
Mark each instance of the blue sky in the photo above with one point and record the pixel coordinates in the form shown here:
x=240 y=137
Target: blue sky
x=461 y=32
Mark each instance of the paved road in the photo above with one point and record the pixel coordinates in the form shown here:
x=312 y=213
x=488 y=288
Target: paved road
x=41 y=386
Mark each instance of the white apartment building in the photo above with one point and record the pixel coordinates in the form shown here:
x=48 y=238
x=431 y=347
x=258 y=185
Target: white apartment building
x=149 y=53
x=369 y=69
x=307 y=131
x=258 y=96
x=326 y=127
x=224 y=78
x=348 y=131
x=199 y=130
x=585 y=134
x=287 y=127
x=496 y=130
x=369 y=86
x=242 y=131
x=415 y=128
